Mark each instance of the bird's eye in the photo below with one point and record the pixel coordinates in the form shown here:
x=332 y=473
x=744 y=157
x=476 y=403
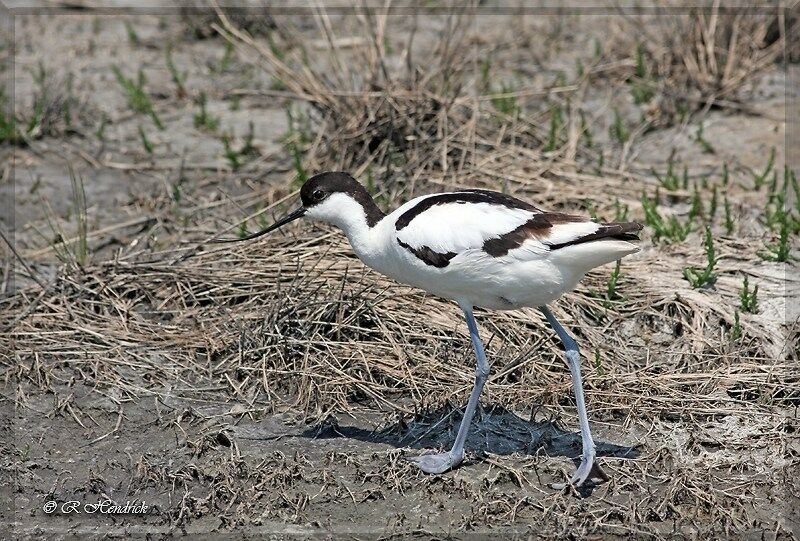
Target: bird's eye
x=318 y=195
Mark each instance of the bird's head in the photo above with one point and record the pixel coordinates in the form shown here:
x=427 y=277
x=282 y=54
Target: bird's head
x=333 y=197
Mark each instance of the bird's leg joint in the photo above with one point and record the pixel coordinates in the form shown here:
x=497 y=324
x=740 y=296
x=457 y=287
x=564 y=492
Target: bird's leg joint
x=482 y=371
x=573 y=355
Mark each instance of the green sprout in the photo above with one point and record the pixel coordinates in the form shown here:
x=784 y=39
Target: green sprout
x=703 y=277
x=618 y=131
x=760 y=180
x=203 y=119
x=748 y=299
x=138 y=99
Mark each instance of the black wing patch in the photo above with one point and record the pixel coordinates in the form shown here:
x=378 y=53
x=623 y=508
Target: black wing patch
x=462 y=197
x=539 y=227
x=429 y=256
x=616 y=231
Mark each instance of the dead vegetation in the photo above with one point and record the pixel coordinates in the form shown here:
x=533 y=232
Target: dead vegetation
x=702 y=57
x=705 y=368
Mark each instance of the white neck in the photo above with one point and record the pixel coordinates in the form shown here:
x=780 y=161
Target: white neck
x=348 y=215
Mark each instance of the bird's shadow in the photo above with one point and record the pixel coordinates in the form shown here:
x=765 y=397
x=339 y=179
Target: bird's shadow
x=493 y=430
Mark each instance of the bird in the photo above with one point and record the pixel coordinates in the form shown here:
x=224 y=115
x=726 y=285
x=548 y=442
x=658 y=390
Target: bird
x=480 y=249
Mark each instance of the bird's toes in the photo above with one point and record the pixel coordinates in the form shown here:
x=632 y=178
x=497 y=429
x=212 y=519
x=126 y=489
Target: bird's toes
x=436 y=463
x=589 y=469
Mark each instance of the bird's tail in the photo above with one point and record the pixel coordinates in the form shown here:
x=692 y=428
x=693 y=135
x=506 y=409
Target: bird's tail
x=609 y=243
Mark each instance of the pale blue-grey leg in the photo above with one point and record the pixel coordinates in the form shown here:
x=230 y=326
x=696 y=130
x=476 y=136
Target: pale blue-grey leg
x=588 y=468
x=441 y=462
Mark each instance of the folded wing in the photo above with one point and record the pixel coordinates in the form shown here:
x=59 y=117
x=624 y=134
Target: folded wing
x=438 y=228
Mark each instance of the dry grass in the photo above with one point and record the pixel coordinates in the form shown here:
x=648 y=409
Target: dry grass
x=704 y=57
x=297 y=325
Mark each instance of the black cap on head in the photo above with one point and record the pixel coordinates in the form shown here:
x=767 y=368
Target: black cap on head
x=317 y=189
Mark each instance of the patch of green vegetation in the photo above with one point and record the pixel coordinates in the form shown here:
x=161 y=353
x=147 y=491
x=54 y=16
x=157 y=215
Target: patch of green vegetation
x=81 y=249
x=274 y=48
x=248 y=149
x=299 y=128
x=146 y=144
x=51 y=113
x=748 y=299
x=374 y=190
x=598 y=364
x=642 y=89
x=773 y=188
x=682 y=107
x=712 y=206
x=696 y=210
x=777 y=210
x=779 y=252
x=702 y=141
x=486 y=68
x=8 y=124
x=670 y=229
x=618 y=131
x=611 y=295
x=601 y=162
x=506 y=105
x=556 y=127
x=278 y=85
x=387 y=46
x=371 y=188
x=791 y=179
x=703 y=277
x=760 y=180
x=775 y=213
x=177 y=193
x=133 y=37
x=67 y=105
x=262 y=221
x=620 y=211
x=729 y=223
x=597 y=51
x=671 y=180
x=225 y=61
x=75 y=253
x=230 y=153
x=591 y=209
x=138 y=99
x=237 y=156
x=736 y=330
x=779 y=217
x=46 y=107
x=36 y=120
x=203 y=119
x=301 y=174
x=586 y=133
x=297 y=136
x=8 y=130
x=100 y=133
x=613 y=280
x=242 y=231
x=177 y=77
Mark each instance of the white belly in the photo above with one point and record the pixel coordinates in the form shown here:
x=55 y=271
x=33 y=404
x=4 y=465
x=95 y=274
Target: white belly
x=481 y=280
x=527 y=278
